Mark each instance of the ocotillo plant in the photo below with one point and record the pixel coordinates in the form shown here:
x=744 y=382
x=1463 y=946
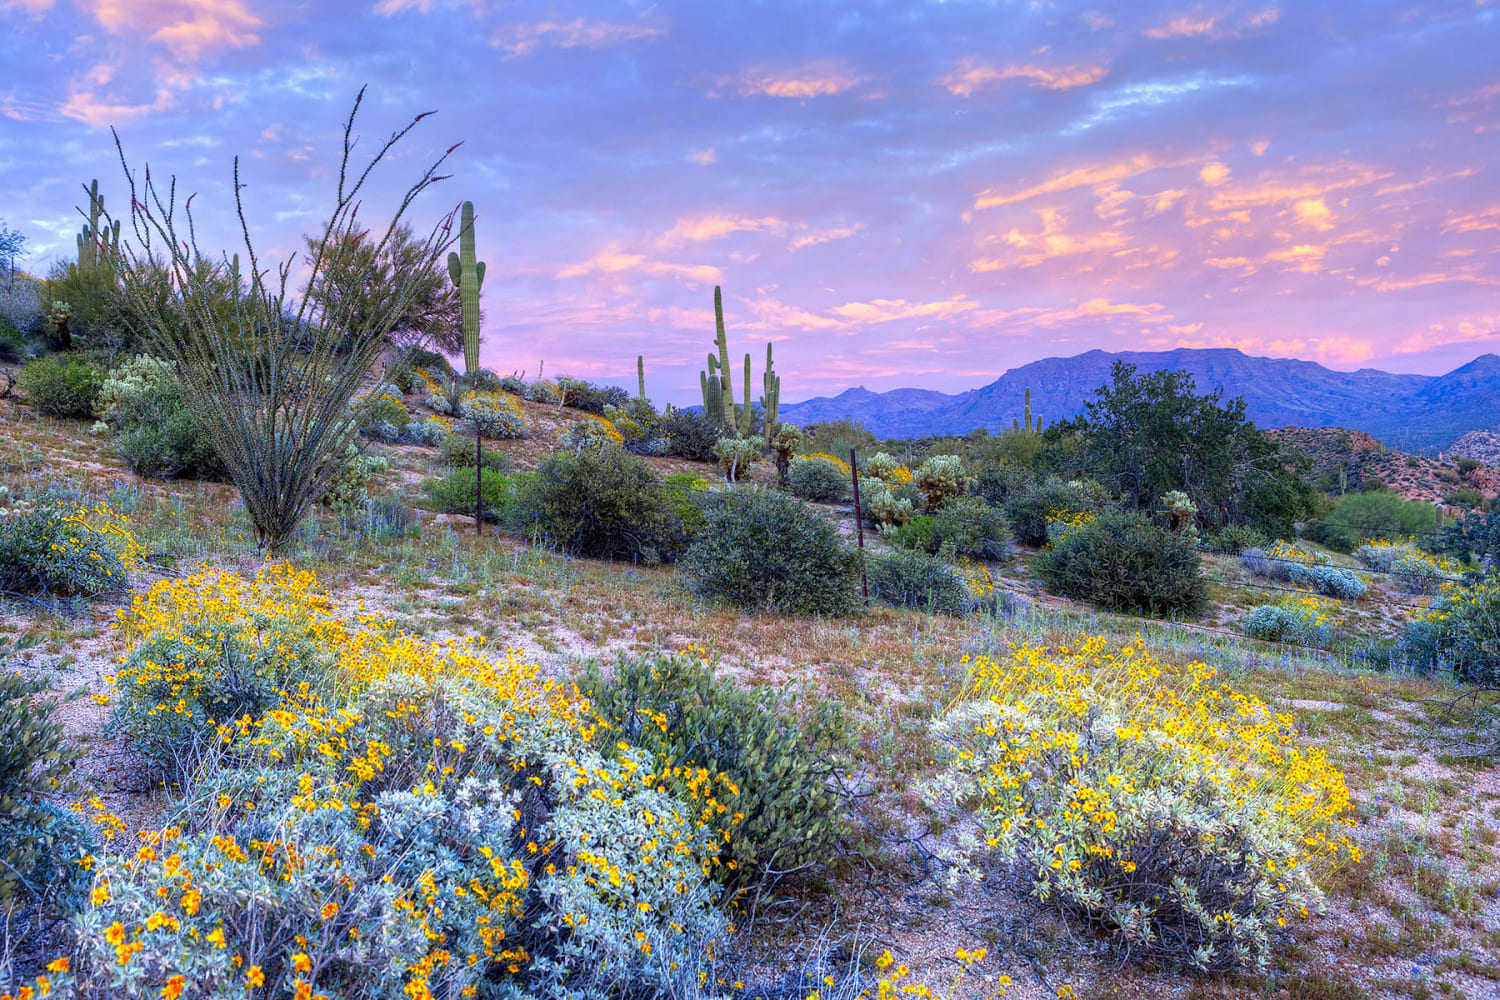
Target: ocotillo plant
x=97 y=247
x=468 y=275
x=770 y=400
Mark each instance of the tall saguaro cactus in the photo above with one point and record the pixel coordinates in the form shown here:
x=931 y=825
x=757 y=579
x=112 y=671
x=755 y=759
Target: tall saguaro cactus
x=468 y=275
x=640 y=374
x=718 y=387
x=96 y=247
x=770 y=399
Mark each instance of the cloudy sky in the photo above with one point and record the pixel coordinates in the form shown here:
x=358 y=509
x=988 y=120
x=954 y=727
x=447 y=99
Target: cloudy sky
x=893 y=193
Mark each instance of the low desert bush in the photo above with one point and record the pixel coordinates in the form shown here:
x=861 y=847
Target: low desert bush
x=1381 y=555
x=1300 y=621
x=763 y=549
x=457 y=452
x=1371 y=515
x=1330 y=581
x=65 y=548
x=967 y=526
x=1186 y=822
x=542 y=391
x=817 y=479
x=350 y=490
x=590 y=432
x=914 y=579
x=1459 y=633
x=777 y=759
x=605 y=503
x=1236 y=538
x=454 y=493
x=61 y=387
x=591 y=398
x=1121 y=562
x=494 y=416
x=690 y=435
x=141 y=402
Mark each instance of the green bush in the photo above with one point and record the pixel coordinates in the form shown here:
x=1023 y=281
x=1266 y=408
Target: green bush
x=454 y=493
x=1464 y=496
x=817 y=479
x=690 y=435
x=783 y=759
x=604 y=503
x=39 y=844
x=914 y=579
x=591 y=398
x=1371 y=515
x=1330 y=581
x=12 y=342
x=1028 y=510
x=495 y=416
x=1235 y=538
x=763 y=549
x=1124 y=563
x=59 y=549
x=1418 y=573
x=175 y=449
x=457 y=452
x=967 y=526
x=61 y=387
x=1301 y=623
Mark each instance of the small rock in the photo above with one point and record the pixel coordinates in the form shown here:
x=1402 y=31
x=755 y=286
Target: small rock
x=1283 y=994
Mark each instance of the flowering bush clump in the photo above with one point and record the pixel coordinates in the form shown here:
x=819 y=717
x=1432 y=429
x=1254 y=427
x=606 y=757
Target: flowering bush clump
x=494 y=416
x=1460 y=632
x=1331 y=581
x=590 y=431
x=65 y=548
x=1183 y=819
x=416 y=820
x=1302 y=621
x=1029 y=509
x=1419 y=573
x=1379 y=554
x=1275 y=562
x=381 y=416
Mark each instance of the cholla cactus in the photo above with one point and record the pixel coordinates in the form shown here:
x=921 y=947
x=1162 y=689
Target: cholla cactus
x=881 y=505
x=882 y=466
x=736 y=455
x=941 y=477
x=784 y=444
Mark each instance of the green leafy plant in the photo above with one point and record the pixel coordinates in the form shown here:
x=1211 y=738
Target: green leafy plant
x=914 y=579
x=458 y=452
x=763 y=549
x=781 y=757
x=61 y=387
x=63 y=548
x=605 y=503
x=1122 y=562
x=454 y=493
x=817 y=479
x=1029 y=508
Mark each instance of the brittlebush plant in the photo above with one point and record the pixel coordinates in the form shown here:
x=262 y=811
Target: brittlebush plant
x=406 y=819
x=1184 y=820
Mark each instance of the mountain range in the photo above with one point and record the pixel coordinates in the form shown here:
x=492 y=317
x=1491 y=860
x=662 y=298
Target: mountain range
x=1419 y=413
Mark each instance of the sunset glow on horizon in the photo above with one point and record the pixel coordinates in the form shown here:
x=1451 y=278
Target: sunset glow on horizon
x=895 y=195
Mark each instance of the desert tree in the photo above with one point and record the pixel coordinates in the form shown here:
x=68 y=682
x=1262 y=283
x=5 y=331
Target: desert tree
x=270 y=366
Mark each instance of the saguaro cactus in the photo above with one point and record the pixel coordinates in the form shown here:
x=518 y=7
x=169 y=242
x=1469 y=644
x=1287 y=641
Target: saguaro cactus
x=717 y=385
x=770 y=400
x=640 y=374
x=468 y=275
x=97 y=247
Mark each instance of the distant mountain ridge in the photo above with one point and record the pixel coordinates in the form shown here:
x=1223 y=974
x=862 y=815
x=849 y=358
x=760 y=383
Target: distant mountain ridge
x=1410 y=412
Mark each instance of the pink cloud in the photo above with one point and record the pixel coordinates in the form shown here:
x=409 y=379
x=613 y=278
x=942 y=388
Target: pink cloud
x=815 y=80
x=971 y=75
x=520 y=39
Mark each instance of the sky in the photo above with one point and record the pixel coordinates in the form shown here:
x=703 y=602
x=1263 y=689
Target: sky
x=893 y=194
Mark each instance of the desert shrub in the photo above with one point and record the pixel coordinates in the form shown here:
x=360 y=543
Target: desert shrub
x=816 y=479
x=1420 y=573
x=457 y=452
x=40 y=844
x=21 y=305
x=12 y=342
x=143 y=390
x=1028 y=509
x=1464 y=496
x=542 y=391
x=437 y=814
x=427 y=431
x=940 y=478
x=65 y=548
x=439 y=403
x=736 y=455
x=1235 y=538
x=967 y=526
x=514 y=385
x=779 y=759
x=350 y=489
x=61 y=387
x=1469 y=536
x=381 y=518
x=1121 y=562
x=494 y=416
x=591 y=398
x=1185 y=821
x=998 y=483
x=454 y=493
x=1301 y=621
x=690 y=435
x=484 y=380
x=763 y=549
x=1275 y=562
x=1330 y=581
x=605 y=503
x=914 y=579
x=1460 y=633
x=382 y=416
x=176 y=448
x=590 y=432
x=1382 y=555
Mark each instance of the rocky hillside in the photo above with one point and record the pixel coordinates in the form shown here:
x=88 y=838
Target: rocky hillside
x=1358 y=458
x=1482 y=446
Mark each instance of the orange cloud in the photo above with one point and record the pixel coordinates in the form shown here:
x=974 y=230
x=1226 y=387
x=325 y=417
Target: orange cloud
x=1050 y=243
x=617 y=263
x=886 y=310
x=970 y=76
x=189 y=28
x=712 y=227
x=818 y=236
x=776 y=315
x=91 y=110
x=1438 y=335
x=1473 y=222
x=1090 y=176
x=520 y=39
x=1305 y=256
x=1314 y=212
x=816 y=80
x=1281 y=187
x=1214 y=174
x=705 y=156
